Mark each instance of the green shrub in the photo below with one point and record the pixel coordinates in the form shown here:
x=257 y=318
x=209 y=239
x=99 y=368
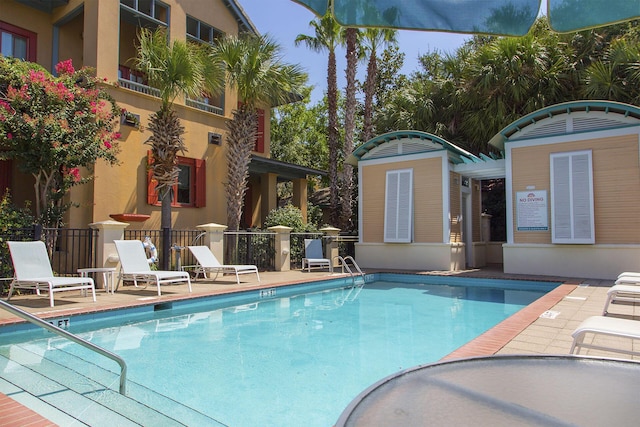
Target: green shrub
x=289 y=216
x=12 y=219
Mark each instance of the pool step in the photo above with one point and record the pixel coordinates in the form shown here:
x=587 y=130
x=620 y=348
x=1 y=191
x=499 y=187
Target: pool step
x=90 y=400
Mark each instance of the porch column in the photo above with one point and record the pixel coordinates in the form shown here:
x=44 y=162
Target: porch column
x=283 y=247
x=108 y=231
x=300 y=196
x=331 y=249
x=214 y=239
x=100 y=41
x=269 y=194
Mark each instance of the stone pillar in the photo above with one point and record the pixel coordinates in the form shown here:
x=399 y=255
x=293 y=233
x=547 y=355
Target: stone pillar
x=485 y=227
x=108 y=231
x=283 y=247
x=214 y=239
x=300 y=196
x=331 y=249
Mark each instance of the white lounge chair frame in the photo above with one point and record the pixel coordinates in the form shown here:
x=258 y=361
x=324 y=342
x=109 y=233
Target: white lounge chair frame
x=611 y=326
x=313 y=255
x=32 y=270
x=207 y=262
x=626 y=293
x=134 y=266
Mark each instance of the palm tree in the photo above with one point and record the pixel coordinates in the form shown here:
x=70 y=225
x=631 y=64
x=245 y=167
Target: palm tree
x=327 y=38
x=255 y=71
x=180 y=68
x=373 y=38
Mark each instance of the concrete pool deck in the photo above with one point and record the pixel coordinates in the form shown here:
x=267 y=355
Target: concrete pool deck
x=543 y=327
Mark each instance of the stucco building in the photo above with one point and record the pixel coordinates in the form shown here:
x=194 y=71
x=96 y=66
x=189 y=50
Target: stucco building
x=102 y=35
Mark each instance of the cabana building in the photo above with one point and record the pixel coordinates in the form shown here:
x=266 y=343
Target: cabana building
x=572 y=179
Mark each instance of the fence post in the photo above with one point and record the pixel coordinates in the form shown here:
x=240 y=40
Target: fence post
x=108 y=231
x=331 y=249
x=283 y=247
x=214 y=239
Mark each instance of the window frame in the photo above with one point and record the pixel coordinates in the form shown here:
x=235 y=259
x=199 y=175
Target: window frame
x=30 y=36
x=398 y=206
x=572 y=198
x=197 y=190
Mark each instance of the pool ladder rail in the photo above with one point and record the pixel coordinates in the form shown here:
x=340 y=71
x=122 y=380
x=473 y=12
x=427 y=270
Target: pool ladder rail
x=344 y=264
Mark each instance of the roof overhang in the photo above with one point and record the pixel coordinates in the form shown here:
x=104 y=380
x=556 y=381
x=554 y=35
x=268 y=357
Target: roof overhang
x=285 y=171
x=513 y=130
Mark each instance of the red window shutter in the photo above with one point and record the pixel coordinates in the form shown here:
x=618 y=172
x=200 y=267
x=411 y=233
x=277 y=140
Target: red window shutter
x=201 y=184
x=124 y=72
x=29 y=35
x=259 y=146
x=152 y=194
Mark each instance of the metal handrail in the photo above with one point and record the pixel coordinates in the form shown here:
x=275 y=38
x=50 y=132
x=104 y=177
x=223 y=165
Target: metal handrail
x=343 y=264
x=59 y=331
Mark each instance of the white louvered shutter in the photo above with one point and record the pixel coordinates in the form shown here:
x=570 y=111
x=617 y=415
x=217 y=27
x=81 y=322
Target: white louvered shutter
x=572 y=198
x=398 y=215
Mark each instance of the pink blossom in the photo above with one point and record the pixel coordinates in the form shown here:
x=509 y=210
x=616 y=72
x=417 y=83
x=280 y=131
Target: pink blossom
x=107 y=144
x=65 y=67
x=75 y=173
x=9 y=135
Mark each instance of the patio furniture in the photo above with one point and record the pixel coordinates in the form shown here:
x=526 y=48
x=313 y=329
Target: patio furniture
x=626 y=293
x=107 y=276
x=135 y=266
x=503 y=391
x=32 y=270
x=313 y=255
x=611 y=326
x=207 y=262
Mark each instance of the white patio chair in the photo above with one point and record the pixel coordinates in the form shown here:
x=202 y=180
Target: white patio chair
x=608 y=326
x=32 y=270
x=207 y=262
x=313 y=255
x=134 y=266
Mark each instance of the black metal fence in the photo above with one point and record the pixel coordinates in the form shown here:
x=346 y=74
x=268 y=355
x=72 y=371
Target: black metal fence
x=297 y=247
x=178 y=241
x=69 y=248
x=254 y=248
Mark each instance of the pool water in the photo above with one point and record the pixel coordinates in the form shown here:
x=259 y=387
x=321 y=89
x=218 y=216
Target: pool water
x=299 y=360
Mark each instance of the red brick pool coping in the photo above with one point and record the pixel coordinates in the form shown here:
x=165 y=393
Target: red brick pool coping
x=14 y=414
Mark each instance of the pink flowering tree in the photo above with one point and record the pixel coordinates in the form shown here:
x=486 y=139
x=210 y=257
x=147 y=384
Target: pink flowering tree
x=55 y=128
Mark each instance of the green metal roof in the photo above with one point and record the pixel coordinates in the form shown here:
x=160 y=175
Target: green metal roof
x=608 y=107
x=462 y=156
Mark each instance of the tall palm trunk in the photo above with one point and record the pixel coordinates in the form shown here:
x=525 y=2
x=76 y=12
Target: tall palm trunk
x=332 y=133
x=241 y=140
x=349 y=129
x=166 y=141
x=369 y=90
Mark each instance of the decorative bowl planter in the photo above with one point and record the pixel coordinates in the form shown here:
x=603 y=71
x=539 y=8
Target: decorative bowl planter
x=130 y=217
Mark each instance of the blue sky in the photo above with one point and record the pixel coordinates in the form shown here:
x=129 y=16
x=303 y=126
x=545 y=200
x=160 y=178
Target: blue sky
x=284 y=20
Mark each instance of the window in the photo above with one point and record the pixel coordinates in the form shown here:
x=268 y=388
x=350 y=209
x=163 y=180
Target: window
x=202 y=32
x=190 y=188
x=151 y=8
x=398 y=206
x=17 y=42
x=572 y=198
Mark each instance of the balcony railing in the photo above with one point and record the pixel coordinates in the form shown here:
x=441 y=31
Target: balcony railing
x=138 y=87
x=204 y=106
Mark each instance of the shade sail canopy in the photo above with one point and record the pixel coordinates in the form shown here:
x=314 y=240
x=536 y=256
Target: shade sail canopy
x=499 y=17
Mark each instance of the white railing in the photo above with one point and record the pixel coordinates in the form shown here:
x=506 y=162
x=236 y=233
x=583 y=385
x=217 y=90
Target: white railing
x=204 y=106
x=139 y=87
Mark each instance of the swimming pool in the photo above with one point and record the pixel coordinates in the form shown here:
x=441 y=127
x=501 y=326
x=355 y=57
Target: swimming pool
x=300 y=354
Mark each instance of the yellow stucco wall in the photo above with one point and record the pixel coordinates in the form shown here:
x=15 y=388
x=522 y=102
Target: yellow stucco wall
x=427 y=199
x=616 y=178
x=94 y=35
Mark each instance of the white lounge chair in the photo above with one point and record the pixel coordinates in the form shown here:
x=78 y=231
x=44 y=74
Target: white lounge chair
x=33 y=271
x=135 y=266
x=611 y=326
x=626 y=293
x=628 y=278
x=207 y=262
x=313 y=255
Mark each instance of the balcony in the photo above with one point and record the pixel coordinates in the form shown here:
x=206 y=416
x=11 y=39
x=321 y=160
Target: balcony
x=204 y=106
x=139 y=87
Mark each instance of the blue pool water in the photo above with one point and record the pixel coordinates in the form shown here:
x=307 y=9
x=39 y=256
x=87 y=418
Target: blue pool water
x=297 y=358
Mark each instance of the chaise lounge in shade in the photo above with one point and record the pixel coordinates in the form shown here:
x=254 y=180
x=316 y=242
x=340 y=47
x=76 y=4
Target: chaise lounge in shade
x=608 y=326
x=135 y=266
x=207 y=262
x=32 y=270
